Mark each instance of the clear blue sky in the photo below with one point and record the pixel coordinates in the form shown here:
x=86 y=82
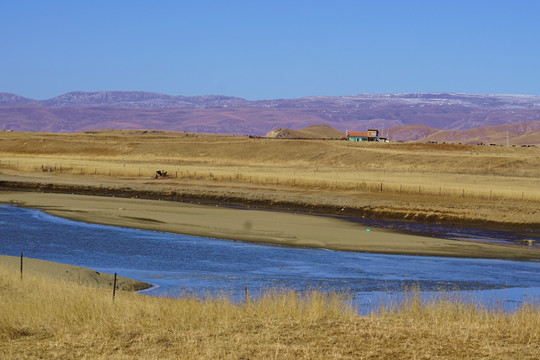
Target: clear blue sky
x=270 y=49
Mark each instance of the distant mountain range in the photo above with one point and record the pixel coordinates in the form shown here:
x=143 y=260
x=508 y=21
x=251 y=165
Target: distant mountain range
x=80 y=111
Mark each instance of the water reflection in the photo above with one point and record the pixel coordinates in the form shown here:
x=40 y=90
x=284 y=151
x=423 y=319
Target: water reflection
x=181 y=264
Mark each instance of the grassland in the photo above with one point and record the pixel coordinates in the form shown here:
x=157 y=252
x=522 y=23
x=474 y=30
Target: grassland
x=443 y=183
x=44 y=318
x=455 y=184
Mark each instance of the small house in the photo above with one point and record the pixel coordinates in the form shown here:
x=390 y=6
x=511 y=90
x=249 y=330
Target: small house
x=370 y=135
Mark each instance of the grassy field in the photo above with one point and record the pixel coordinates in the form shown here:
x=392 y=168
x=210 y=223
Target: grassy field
x=497 y=186
x=427 y=182
x=45 y=318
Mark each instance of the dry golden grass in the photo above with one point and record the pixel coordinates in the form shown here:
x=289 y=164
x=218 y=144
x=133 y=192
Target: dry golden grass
x=42 y=318
x=441 y=176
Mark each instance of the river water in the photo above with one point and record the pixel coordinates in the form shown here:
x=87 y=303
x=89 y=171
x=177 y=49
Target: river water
x=180 y=264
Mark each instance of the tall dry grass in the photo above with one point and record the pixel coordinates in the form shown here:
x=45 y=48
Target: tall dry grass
x=465 y=185
x=41 y=318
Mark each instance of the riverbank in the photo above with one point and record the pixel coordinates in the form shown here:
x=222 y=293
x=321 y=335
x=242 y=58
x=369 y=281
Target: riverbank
x=274 y=227
x=70 y=273
x=520 y=217
x=43 y=318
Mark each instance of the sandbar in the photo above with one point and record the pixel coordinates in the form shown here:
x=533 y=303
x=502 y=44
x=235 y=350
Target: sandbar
x=261 y=226
x=71 y=273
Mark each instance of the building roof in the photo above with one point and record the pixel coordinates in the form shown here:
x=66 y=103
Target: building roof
x=358 y=133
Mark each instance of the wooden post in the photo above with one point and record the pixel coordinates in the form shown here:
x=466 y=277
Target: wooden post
x=114 y=287
x=381 y=187
x=247 y=295
x=21 y=265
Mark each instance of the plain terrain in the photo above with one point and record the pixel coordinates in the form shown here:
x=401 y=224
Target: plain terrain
x=493 y=187
x=489 y=186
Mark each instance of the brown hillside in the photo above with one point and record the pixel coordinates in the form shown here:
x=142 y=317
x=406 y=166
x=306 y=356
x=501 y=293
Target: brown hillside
x=310 y=132
x=527 y=133
x=409 y=133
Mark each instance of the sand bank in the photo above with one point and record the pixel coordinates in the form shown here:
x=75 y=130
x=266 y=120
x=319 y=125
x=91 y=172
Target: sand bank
x=255 y=226
x=67 y=272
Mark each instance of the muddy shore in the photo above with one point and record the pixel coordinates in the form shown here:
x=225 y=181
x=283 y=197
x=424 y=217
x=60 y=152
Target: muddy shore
x=70 y=273
x=277 y=227
x=270 y=203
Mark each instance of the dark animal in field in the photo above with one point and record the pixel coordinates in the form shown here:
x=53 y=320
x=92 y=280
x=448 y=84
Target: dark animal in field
x=160 y=173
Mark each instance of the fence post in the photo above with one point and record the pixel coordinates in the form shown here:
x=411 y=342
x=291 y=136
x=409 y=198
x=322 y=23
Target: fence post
x=21 y=265
x=114 y=287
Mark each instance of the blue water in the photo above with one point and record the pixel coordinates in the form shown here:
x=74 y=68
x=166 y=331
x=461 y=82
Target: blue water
x=181 y=264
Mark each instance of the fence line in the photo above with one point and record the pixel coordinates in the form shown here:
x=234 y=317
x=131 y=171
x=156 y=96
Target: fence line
x=297 y=181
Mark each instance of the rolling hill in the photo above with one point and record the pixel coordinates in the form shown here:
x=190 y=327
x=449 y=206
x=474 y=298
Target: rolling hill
x=527 y=133
x=80 y=111
x=310 y=132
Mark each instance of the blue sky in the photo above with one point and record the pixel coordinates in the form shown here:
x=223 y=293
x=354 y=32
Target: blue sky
x=270 y=49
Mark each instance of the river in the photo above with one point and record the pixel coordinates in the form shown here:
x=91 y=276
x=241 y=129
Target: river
x=180 y=264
